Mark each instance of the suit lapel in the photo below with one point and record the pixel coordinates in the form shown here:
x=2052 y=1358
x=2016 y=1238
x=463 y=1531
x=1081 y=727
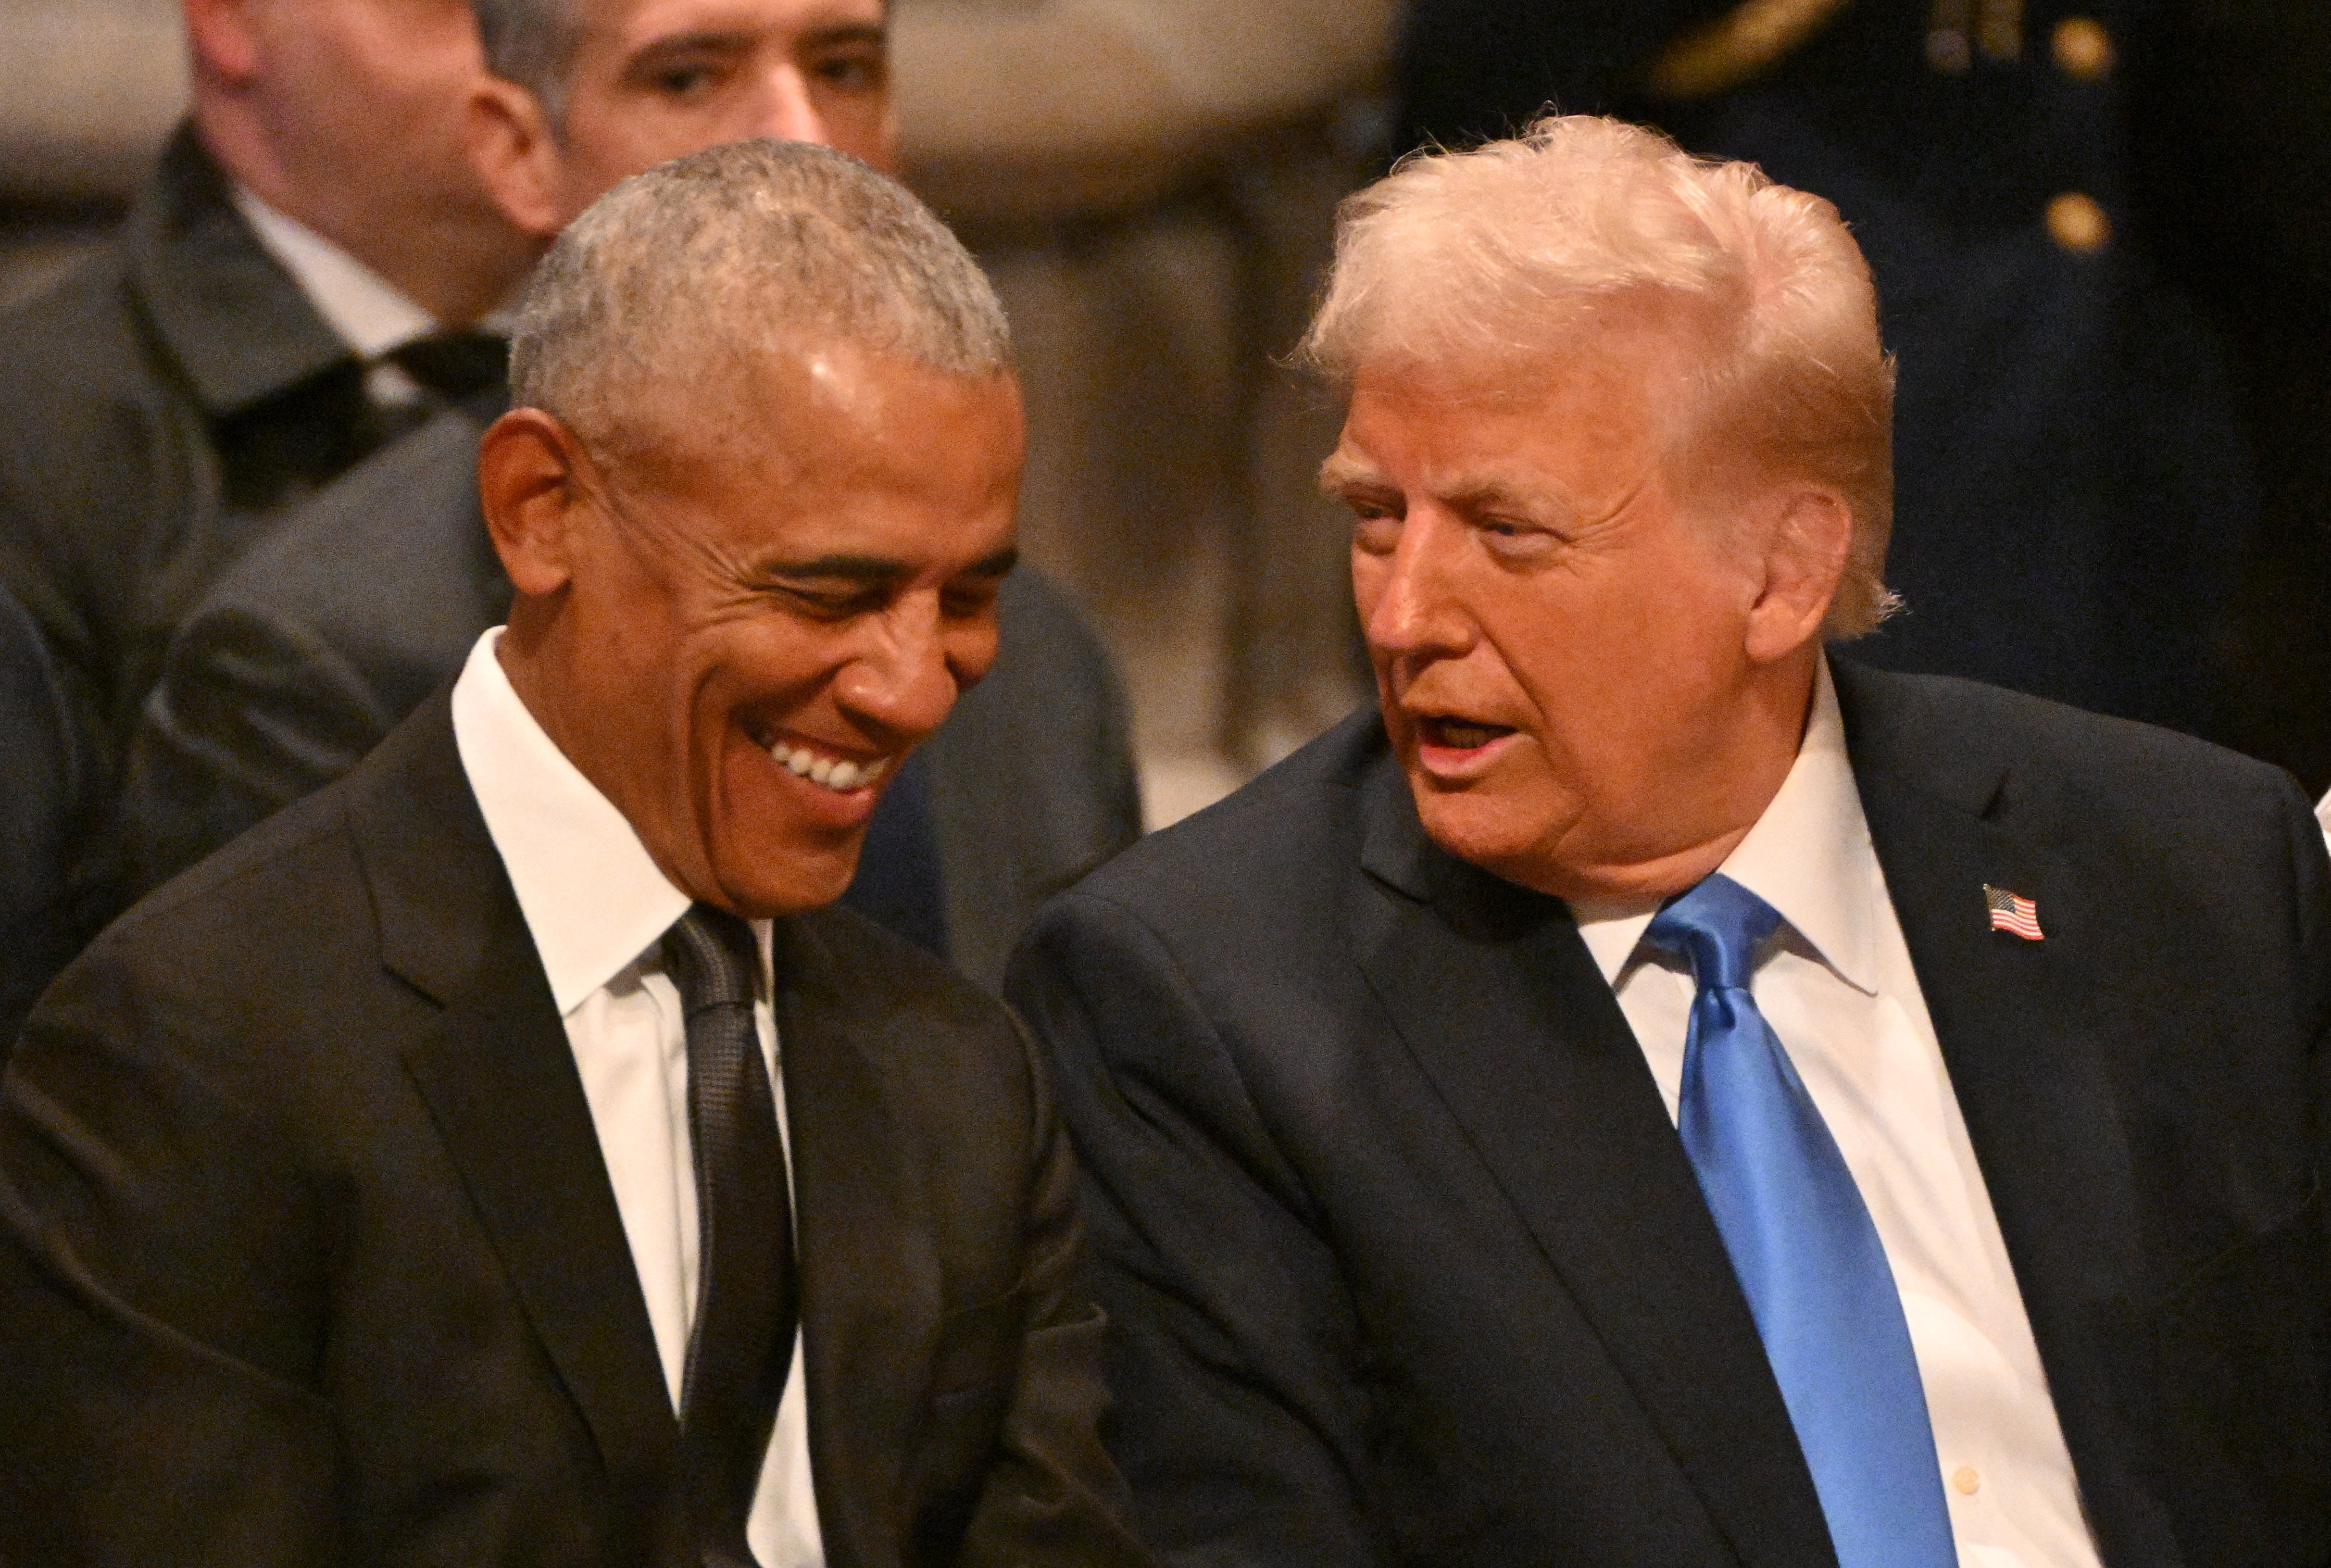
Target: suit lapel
x=871 y=1288
x=499 y=1077
x=1502 y=1007
x=2027 y=1039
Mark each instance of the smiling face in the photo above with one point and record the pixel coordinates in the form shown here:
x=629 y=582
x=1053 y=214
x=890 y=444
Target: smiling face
x=739 y=639
x=1568 y=662
x=652 y=79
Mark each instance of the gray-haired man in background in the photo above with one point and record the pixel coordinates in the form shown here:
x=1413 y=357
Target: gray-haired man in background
x=298 y=662
x=418 y=1183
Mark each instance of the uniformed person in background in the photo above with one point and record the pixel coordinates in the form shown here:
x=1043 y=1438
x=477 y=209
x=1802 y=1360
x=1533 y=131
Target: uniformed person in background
x=2101 y=231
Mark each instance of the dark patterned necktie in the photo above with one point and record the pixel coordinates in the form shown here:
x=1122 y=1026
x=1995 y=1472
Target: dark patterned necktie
x=740 y=1348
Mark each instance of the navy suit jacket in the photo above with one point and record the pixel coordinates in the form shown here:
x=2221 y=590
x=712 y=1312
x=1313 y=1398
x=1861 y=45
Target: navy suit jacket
x=1405 y=1261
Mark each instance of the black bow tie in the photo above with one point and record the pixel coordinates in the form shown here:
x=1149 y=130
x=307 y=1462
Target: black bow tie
x=455 y=364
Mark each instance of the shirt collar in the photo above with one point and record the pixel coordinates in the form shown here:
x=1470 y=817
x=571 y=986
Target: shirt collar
x=593 y=898
x=1809 y=856
x=368 y=312
x=230 y=315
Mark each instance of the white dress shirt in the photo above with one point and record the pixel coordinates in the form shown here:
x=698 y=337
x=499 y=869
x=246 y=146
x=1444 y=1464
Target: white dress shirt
x=371 y=314
x=1838 y=988
x=597 y=908
x=2323 y=815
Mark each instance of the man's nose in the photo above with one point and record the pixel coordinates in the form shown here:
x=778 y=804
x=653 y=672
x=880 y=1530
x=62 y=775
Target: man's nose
x=1415 y=610
x=906 y=676
x=787 y=109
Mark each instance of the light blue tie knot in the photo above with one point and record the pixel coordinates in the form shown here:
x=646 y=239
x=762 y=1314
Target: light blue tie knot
x=1717 y=928
x=1804 y=1247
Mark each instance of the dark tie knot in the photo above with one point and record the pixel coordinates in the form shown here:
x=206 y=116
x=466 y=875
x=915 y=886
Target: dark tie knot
x=713 y=959
x=455 y=364
x=1717 y=928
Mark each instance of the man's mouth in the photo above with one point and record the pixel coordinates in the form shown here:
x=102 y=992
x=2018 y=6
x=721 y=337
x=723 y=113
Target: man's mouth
x=1458 y=734
x=838 y=774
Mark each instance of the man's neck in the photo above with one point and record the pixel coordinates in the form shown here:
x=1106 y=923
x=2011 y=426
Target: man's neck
x=1737 y=785
x=455 y=269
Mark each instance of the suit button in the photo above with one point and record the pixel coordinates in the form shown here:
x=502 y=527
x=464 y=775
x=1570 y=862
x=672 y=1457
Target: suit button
x=1965 y=1481
x=2075 y=223
x=2083 y=49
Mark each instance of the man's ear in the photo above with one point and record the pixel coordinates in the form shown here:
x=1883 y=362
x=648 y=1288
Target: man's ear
x=534 y=481
x=1808 y=531
x=515 y=151
x=225 y=38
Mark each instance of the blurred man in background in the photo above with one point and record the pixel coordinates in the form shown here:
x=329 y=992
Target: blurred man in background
x=297 y=663
x=291 y=290
x=271 y=313
x=2101 y=231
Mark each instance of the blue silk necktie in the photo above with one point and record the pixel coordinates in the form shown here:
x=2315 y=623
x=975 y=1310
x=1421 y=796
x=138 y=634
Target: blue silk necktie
x=1802 y=1242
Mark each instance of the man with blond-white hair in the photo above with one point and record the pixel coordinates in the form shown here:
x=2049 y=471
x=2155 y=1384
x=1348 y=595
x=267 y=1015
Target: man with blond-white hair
x=1650 y=1092
x=503 y=1155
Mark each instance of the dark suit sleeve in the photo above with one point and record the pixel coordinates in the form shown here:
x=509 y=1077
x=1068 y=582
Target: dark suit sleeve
x=1064 y=799
x=1239 y=1418
x=1052 y=1496
x=253 y=713
x=42 y=776
x=160 y=1295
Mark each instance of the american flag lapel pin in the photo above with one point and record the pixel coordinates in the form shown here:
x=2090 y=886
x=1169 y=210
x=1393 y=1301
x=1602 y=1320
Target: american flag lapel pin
x=2012 y=913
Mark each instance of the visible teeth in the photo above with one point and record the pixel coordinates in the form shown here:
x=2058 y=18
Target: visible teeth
x=834 y=773
x=1465 y=736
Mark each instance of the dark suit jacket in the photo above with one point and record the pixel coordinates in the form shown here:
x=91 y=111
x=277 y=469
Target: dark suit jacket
x=1405 y=1262
x=164 y=402
x=300 y=658
x=2077 y=433
x=307 y=1255
x=40 y=778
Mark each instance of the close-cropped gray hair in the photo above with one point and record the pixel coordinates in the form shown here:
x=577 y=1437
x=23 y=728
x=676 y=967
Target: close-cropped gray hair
x=710 y=261
x=531 y=43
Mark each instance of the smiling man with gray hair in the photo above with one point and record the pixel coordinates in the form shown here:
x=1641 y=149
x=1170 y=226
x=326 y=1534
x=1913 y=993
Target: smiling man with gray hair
x=503 y=1155
x=1649 y=1093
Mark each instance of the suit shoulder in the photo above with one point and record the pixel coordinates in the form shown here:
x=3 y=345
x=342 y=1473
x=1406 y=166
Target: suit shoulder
x=75 y=337
x=397 y=513
x=1905 y=714
x=383 y=578
x=939 y=1032
x=1047 y=618
x=283 y=865
x=2087 y=783
x=882 y=975
x=1276 y=844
